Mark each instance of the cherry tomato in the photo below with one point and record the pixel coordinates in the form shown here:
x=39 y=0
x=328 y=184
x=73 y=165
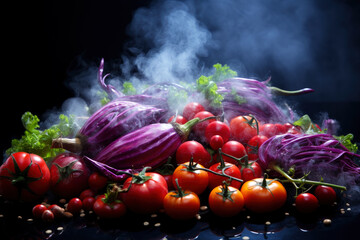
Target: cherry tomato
x=306 y=203
x=114 y=209
x=235 y=149
x=253 y=145
x=216 y=142
x=263 y=195
x=86 y=193
x=325 y=194
x=38 y=210
x=88 y=203
x=272 y=129
x=190 y=179
x=195 y=150
x=181 y=205
x=47 y=216
x=217 y=128
x=226 y=201
x=230 y=169
x=179 y=119
x=69 y=175
x=146 y=193
x=74 y=205
x=24 y=177
x=250 y=170
x=97 y=181
x=191 y=109
x=199 y=128
x=243 y=128
x=56 y=210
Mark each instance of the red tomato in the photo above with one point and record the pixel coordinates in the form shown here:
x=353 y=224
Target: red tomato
x=86 y=193
x=88 y=203
x=195 y=150
x=271 y=129
x=230 y=169
x=146 y=193
x=199 y=128
x=325 y=194
x=243 y=128
x=235 y=149
x=38 y=210
x=97 y=181
x=69 y=175
x=181 y=205
x=263 y=195
x=179 y=119
x=253 y=145
x=56 y=210
x=217 y=128
x=190 y=179
x=115 y=209
x=168 y=178
x=191 y=109
x=74 y=205
x=48 y=216
x=216 y=142
x=250 y=170
x=24 y=177
x=306 y=203
x=226 y=201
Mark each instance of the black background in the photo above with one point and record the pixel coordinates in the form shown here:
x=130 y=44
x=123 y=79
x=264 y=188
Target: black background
x=43 y=42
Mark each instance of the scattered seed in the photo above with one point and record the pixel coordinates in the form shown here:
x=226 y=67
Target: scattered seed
x=19 y=217
x=30 y=220
x=68 y=214
x=60 y=228
x=153 y=215
x=204 y=208
x=294 y=205
x=49 y=231
x=146 y=223
x=157 y=224
x=267 y=222
x=91 y=212
x=348 y=209
x=245 y=238
x=327 y=221
x=198 y=217
x=342 y=211
x=62 y=201
x=248 y=217
x=287 y=214
x=347 y=204
x=82 y=215
x=1 y=215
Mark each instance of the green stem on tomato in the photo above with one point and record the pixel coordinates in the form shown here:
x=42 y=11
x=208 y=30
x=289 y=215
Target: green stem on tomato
x=223 y=174
x=305 y=181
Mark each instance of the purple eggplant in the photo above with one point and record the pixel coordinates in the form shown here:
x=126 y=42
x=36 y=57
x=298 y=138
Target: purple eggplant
x=113 y=120
x=149 y=146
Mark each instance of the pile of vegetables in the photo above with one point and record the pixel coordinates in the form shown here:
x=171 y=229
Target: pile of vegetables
x=236 y=145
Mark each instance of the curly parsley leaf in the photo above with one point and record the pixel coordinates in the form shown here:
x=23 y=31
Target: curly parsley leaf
x=346 y=141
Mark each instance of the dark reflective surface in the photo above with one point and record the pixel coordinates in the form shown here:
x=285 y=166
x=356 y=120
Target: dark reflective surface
x=17 y=223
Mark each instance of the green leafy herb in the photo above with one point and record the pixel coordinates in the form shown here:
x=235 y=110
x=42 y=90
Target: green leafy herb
x=37 y=141
x=307 y=125
x=346 y=141
x=207 y=85
x=128 y=88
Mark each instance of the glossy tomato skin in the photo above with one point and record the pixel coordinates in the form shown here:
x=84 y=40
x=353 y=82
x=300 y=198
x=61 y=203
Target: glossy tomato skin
x=38 y=210
x=253 y=145
x=112 y=210
x=69 y=175
x=195 y=150
x=181 y=208
x=251 y=172
x=325 y=194
x=145 y=197
x=261 y=199
x=179 y=119
x=226 y=207
x=231 y=170
x=191 y=109
x=306 y=203
x=216 y=142
x=200 y=128
x=271 y=129
x=196 y=181
x=235 y=149
x=217 y=128
x=242 y=130
x=34 y=182
x=97 y=181
x=74 y=205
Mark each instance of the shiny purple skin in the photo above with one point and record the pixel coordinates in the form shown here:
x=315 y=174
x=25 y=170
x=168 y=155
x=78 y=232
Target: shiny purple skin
x=320 y=154
x=149 y=146
x=257 y=97
x=116 y=119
